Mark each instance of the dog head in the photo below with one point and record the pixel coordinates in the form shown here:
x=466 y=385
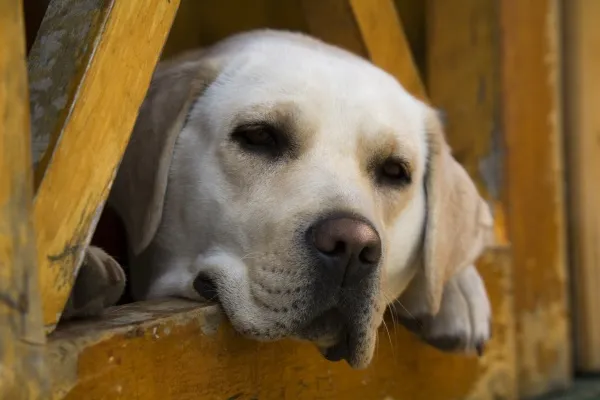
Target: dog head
x=298 y=185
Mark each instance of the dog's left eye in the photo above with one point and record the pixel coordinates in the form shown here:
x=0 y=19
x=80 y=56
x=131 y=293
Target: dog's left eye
x=259 y=138
x=395 y=172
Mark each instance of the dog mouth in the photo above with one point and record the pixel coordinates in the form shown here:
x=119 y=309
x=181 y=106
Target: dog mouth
x=337 y=337
x=336 y=334
x=206 y=288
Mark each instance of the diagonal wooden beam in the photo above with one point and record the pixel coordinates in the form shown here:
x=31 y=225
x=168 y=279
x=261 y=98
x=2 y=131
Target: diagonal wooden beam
x=21 y=336
x=371 y=28
x=90 y=68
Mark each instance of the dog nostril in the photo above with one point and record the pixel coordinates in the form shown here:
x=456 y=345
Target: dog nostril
x=206 y=288
x=370 y=254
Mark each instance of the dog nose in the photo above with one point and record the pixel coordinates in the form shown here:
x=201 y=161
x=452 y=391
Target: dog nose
x=347 y=246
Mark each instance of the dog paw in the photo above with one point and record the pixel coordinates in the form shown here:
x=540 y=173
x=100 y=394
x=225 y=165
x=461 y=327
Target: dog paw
x=99 y=284
x=463 y=323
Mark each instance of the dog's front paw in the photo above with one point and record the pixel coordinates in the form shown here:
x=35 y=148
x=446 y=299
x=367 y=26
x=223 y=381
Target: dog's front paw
x=100 y=283
x=463 y=323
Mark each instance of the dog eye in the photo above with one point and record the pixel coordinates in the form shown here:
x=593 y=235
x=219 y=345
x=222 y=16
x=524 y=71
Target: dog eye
x=394 y=172
x=258 y=138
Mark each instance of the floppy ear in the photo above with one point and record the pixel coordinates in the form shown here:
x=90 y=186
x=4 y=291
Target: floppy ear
x=139 y=189
x=459 y=223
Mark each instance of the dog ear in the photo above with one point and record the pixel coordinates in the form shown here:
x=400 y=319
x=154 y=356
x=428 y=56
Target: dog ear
x=140 y=185
x=459 y=224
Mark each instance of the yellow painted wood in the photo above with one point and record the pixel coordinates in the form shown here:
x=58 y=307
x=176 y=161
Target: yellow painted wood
x=463 y=69
x=582 y=123
x=383 y=35
x=166 y=351
x=90 y=122
x=21 y=335
x=532 y=124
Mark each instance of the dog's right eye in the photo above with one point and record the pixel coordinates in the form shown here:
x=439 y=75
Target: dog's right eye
x=259 y=138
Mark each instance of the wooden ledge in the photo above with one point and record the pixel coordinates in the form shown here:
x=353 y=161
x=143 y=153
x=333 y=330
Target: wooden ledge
x=179 y=350
x=136 y=317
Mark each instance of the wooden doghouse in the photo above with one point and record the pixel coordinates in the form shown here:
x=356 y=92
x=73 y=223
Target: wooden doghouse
x=493 y=66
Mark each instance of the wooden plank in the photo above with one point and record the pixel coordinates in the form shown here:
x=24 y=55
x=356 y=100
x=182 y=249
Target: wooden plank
x=22 y=374
x=463 y=69
x=531 y=118
x=84 y=105
x=169 y=353
x=582 y=124
x=463 y=82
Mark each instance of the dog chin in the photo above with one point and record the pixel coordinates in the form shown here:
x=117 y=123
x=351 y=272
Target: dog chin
x=331 y=333
x=337 y=339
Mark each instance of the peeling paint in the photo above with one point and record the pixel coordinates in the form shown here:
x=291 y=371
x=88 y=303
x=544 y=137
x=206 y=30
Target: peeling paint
x=55 y=60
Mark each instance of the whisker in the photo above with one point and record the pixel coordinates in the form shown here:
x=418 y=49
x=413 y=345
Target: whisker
x=390 y=339
x=409 y=314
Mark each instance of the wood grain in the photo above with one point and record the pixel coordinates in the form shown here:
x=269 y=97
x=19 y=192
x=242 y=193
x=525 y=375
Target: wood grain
x=582 y=134
x=166 y=351
x=87 y=110
x=463 y=81
x=383 y=35
x=22 y=374
x=531 y=118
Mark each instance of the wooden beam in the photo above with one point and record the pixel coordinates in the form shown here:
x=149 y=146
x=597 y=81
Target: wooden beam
x=582 y=125
x=531 y=118
x=90 y=68
x=22 y=374
x=168 y=350
x=463 y=70
x=371 y=28
x=463 y=82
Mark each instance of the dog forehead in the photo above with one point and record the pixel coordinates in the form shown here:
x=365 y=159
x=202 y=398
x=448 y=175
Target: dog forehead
x=318 y=83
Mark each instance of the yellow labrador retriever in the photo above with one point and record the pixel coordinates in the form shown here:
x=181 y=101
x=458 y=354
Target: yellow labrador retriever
x=303 y=189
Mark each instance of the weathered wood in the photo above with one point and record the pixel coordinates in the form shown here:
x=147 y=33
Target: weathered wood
x=463 y=82
x=531 y=120
x=21 y=335
x=84 y=106
x=165 y=351
x=34 y=14
x=582 y=125
x=463 y=69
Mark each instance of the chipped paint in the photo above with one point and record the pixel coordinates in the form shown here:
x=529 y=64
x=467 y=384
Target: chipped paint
x=543 y=357
x=52 y=88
